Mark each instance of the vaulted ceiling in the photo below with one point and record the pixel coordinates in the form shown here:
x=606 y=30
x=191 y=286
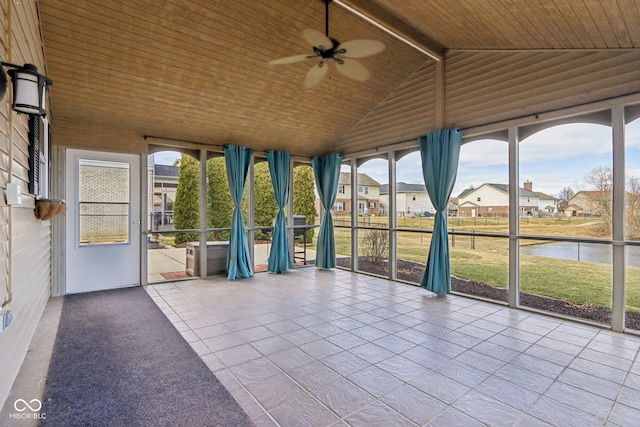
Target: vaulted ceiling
x=198 y=70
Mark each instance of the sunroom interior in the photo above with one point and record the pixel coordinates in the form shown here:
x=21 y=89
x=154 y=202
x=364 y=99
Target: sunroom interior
x=530 y=85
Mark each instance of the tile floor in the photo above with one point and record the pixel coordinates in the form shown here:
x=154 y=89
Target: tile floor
x=331 y=348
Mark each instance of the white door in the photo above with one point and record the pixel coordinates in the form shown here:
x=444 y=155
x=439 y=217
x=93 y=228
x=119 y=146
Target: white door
x=103 y=220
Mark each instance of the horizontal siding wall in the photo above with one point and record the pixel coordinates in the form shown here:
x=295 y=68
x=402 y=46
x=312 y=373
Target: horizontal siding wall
x=406 y=113
x=486 y=87
x=25 y=242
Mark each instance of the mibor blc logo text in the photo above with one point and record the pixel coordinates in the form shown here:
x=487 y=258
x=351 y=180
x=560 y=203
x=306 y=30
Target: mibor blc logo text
x=27 y=410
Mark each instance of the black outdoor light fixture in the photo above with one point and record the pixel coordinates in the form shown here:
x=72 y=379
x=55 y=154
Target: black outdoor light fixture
x=29 y=88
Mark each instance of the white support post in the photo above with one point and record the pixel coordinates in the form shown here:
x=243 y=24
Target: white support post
x=514 y=220
x=290 y=221
x=618 y=219
x=354 y=214
x=203 y=214
x=393 y=221
x=251 y=218
x=144 y=218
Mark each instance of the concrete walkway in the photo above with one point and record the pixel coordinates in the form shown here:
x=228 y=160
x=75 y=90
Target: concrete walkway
x=172 y=261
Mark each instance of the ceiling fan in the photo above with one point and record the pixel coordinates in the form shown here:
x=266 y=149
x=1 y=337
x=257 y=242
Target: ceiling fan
x=327 y=49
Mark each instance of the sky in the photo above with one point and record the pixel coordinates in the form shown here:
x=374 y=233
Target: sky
x=551 y=159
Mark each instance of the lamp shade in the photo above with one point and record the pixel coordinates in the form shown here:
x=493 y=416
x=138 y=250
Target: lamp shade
x=29 y=89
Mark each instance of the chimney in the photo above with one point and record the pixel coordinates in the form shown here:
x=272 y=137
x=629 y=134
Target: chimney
x=528 y=185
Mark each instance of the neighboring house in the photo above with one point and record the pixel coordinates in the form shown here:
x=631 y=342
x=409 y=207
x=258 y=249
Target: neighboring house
x=368 y=195
x=493 y=200
x=452 y=206
x=165 y=184
x=547 y=204
x=591 y=203
x=411 y=199
x=573 y=210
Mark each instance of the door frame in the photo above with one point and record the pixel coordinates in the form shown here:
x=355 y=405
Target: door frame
x=59 y=227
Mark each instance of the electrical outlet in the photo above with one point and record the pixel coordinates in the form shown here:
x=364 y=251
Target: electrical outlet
x=6 y=317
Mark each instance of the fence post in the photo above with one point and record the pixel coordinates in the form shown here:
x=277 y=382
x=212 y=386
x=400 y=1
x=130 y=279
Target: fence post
x=453 y=238
x=473 y=239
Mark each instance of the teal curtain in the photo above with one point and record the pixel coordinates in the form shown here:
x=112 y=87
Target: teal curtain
x=239 y=262
x=279 y=168
x=440 y=152
x=326 y=170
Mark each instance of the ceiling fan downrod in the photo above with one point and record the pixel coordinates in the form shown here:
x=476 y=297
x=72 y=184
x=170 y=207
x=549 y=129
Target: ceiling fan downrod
x=326 y=17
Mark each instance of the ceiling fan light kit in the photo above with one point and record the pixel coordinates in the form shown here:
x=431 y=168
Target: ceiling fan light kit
x=328 y=49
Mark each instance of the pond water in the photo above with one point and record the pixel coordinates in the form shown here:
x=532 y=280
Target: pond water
x=587 y=252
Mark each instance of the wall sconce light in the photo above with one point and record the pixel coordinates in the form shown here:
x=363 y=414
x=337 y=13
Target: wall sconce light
x=29 y=88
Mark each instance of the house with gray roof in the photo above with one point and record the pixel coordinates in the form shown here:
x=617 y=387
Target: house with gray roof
x=411 y=199
x=493 y=200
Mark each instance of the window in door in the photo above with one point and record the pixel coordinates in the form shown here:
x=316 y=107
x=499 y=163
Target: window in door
x=103 y=202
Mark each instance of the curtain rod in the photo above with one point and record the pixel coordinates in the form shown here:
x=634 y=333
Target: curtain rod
x=216 y=148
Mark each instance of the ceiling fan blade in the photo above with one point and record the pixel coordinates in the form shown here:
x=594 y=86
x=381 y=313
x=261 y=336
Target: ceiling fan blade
x=353 y=69
x=361 y=48
x=316 y=38
x=289 y=60
x=315 y=74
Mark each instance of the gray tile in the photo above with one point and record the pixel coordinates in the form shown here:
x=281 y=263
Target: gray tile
x=345 y=363
x=451 y=417
x=304 y=412
x=347 y=340
x=624 y=415
x=402 y=368
x=223 y=342
x=414 y=404
x=487 y=410
x=314 y=375
x=580 y=399
x=481 y=361
x=254 y=370
x=440 y=387
x=371 y=353
x=496 y=351
x=590 y=383
x=343 y=397
x=377 y=415
x=289 y=359
x=275 y=391
x=237 y=355
x=462 y=373
x=271 y=345
x=525 y=378
x=320 y=349
x=630 y=397
x=504 y=391
x=599 y=370
x=558 y=414
x=394 y=344
x=375 y=381
x=632 y=381
x=426 y=357
x=538 y=366
x=256 y=333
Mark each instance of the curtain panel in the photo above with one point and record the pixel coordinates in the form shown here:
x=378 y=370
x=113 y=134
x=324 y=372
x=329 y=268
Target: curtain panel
x=326 y=170
x=279 y=169
x=239 y=263
x=440 y=153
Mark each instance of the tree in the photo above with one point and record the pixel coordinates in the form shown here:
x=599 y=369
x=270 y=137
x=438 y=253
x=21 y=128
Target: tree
x=633 y=208
x=186 y=206
x=566 y=194
x=304 y=197
x=601 y=179
x=265 y=207
x=219 y=204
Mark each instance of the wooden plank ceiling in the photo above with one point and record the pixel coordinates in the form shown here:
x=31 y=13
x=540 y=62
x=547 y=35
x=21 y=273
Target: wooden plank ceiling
x=197 y=70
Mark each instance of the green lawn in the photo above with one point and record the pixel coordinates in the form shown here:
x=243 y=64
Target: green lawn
x=488 y=260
